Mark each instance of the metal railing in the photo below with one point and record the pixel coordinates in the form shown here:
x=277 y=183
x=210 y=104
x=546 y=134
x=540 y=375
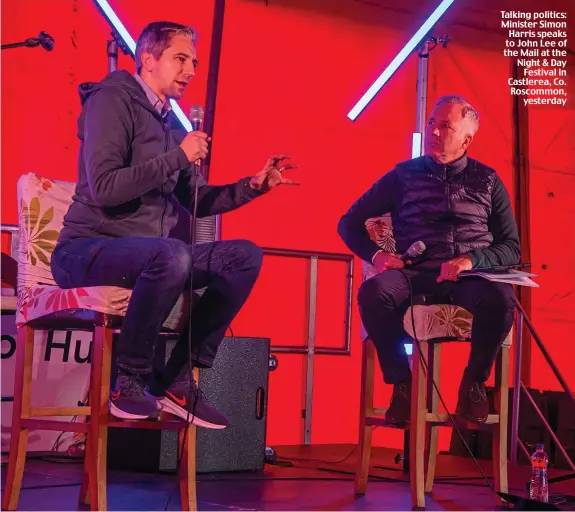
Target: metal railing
x=8 y=302
x=310 y=349
x=14 y=233
x=522 y=318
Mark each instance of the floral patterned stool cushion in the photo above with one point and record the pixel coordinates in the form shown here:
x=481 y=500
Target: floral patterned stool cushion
x=432 y=322
x=42 y=204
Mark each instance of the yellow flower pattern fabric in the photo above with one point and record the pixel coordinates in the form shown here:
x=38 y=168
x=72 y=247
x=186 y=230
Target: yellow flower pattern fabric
x=42 y=206
x=442 y=321
x=39 y=240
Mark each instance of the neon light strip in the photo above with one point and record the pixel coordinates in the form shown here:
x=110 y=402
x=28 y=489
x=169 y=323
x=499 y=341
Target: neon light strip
x=131 y=44
x=416 y=145
x=399 y=59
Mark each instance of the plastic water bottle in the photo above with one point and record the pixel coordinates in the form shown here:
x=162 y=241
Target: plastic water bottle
x=539 y=489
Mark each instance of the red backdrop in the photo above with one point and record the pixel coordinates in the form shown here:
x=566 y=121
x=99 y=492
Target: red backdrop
x=290 y=72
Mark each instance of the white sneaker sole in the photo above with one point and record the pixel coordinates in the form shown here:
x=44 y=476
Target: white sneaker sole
x=167 y=405
x=118 y=413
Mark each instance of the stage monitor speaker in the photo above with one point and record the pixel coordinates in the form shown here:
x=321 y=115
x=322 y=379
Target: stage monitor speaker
x=563 y=426
x=237 y=385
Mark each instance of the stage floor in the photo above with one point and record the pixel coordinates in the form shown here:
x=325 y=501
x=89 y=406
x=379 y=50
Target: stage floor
x=311 y=483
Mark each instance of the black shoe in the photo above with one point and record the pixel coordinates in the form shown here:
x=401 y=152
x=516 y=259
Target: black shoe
x=399 y=411
x=185 y=400
x=129 y=401
x=472 y=403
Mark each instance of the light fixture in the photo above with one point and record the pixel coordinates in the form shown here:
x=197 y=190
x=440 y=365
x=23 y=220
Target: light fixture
x=121 y=31
x=399 y=59
x=416 y=145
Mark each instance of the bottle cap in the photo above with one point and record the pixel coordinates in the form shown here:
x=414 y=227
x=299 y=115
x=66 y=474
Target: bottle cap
x=539 y=446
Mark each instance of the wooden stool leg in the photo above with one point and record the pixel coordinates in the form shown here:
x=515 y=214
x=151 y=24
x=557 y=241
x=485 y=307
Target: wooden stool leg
x=417 y=434
x=187 y=436
x=188 y=469
x=98 y=433
x=365 y=410
x=21 y=409
x=84 y=498
x=432 y=432
x=500 y=430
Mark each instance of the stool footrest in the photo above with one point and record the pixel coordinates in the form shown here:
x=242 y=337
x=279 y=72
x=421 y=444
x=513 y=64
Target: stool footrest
x=36 y=412
x=442 y=418
x=152 y=425
x=380 y=422
x=60 y=426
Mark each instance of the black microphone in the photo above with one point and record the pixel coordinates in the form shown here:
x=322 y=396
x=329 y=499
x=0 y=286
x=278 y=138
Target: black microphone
x=46 y=41
x=415 y=249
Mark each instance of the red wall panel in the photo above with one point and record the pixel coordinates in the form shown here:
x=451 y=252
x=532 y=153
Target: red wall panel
x=289 y=74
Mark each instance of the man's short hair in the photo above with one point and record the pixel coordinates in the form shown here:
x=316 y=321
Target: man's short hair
x=156 y=37
x=468 y=111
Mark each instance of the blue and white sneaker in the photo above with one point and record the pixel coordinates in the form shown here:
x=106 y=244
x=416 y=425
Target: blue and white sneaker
x=129 y=401
x=185 y=400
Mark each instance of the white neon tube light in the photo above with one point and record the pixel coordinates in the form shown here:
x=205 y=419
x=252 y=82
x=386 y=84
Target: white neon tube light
x=416 y=145
x=399 y=59
x=131 y=44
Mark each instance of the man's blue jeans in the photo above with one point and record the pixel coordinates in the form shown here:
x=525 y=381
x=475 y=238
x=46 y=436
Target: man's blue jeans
x=158 y=271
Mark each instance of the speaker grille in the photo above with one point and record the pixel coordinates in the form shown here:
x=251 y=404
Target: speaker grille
x=233 y=385
x=207 y=229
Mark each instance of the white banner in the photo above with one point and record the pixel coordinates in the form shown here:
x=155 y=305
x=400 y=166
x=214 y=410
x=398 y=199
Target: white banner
x=60 y=378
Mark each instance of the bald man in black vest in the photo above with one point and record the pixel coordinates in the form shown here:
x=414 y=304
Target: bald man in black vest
x=461 y=210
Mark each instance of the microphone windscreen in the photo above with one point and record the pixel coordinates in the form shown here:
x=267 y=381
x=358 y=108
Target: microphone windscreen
x=46 y=41
x=196 y=113
x=416 y=249
x=196 y=117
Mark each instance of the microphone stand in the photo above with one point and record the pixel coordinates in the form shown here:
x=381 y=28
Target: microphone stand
x=44 y=40
x=30 y=43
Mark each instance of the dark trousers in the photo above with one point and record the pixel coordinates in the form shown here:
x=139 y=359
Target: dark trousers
x=158 y=271
x=384 y=299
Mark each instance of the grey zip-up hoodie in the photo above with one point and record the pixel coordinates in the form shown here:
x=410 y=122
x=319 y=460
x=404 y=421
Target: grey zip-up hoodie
x=131 y=169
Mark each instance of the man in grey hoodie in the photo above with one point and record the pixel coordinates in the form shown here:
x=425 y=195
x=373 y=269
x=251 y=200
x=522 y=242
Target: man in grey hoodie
x=134 y=173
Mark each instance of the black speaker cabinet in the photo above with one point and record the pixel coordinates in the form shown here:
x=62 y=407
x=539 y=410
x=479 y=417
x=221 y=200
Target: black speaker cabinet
x=562 y=422
x=237 y=385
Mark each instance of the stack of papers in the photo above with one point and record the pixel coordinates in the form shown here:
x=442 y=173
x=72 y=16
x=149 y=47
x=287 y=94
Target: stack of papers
x=515 y=277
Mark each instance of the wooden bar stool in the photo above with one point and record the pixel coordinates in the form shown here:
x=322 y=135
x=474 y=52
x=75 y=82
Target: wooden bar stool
x=44 y=306
x=435 y=324
x=425 y=415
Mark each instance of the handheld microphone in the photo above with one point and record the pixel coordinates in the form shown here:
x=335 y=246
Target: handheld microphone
x=415 y=249
x=196 y=117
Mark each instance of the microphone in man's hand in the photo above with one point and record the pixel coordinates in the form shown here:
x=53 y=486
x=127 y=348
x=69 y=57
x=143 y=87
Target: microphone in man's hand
x=196 y=117
x=415 y=249
x=196 y=120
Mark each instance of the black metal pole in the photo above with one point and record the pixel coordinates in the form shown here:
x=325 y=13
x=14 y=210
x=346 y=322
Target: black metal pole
x=112 y=55
x=546 y=354
x=14 y=45
x=213 y=72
